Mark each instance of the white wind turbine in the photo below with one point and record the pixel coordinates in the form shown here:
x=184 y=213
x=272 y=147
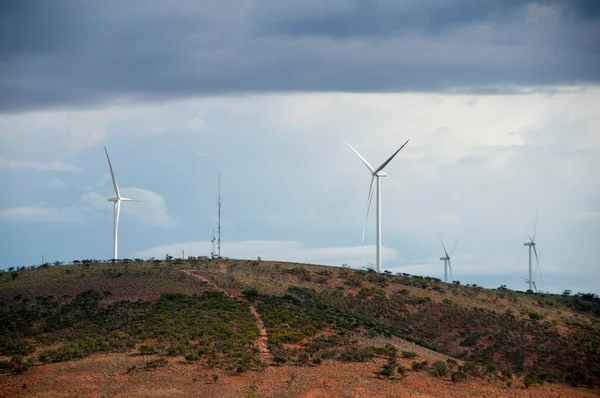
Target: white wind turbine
x=531 y=245
x=446 y=259
x=117 y=206
x=379 y=173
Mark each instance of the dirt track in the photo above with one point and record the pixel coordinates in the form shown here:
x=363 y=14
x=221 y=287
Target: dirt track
x=263 y=338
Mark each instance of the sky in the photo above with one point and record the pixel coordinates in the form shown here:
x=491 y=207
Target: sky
x=499 y=100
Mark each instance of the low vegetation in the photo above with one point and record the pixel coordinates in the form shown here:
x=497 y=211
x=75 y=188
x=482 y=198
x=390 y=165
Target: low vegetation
x=210 y=327
x=312 y=314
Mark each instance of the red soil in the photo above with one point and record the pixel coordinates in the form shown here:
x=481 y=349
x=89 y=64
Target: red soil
x=107 y=375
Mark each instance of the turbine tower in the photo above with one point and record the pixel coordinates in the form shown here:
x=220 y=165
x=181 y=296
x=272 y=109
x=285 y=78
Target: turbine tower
x=531 y=245
x=376 y=174
x=117 y=206
x=446 y=259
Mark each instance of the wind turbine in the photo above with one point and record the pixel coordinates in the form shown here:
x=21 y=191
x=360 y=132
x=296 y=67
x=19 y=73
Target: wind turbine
x=375 y=173
x=446 y=258
x=117 y=206
x=531 y=245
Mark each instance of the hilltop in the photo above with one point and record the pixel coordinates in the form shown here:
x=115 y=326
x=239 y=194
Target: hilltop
x=268 y=329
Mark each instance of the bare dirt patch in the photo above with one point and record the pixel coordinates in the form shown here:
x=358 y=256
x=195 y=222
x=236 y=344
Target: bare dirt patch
x=108 y=375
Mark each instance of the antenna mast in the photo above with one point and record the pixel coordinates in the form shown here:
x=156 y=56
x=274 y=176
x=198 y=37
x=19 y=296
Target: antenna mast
x=213 y=241
x=219 y=223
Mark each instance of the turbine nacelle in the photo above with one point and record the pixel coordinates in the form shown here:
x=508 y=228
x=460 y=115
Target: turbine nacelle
x=381 y=174
x=444 y=258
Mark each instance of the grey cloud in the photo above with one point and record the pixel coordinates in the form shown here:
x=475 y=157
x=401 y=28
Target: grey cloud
x=73 y=53
x=372 y=18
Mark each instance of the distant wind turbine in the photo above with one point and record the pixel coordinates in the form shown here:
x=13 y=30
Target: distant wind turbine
x=531 y=245
x=446 y=259
x=117 y=206
x=379 y=173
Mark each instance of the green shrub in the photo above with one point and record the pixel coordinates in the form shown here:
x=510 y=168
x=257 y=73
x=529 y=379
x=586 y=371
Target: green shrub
x=420 y=365
x=279 y=359
x=470 y=369
x=147 y=349
x=439 y=369
x=532 y=378
x=459 y=376
x=251 y=294
x=388 y=370
x=192 y=356
x=357 y=354
x=16 y=347
x=5 y=367
x=535 y=316
x=156 y=363
x=17 y=364
x=409 y=354
x=401 y=370
x=177 y=349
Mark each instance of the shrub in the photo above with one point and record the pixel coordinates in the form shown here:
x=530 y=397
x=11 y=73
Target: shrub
x=439 y=369
x=251 y=294
x=401 y=370
x=192 y=356
x=532 y=378
x=388 y=370
x=409 y=354
x=420 y=365
x=279 y=359
x=17 y=365
x=459 y=376
x=357 y=354
x=470 y=369
x=146 y=349
x=535 y=316
x=15 y=347
x=156 y=363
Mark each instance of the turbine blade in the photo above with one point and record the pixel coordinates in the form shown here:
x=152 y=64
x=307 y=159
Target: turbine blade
x=445 y=251
x=536 y=256
x=389 y=160
x=530 y=238
x=112 y=174
x=361 y=158
x=132 y=200
x=369 y=198
x=450 y=268
x=535 y=225
x=541 y=276
x=454 y=247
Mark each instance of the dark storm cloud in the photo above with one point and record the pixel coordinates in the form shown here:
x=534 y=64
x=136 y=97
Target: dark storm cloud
x=364 y=18
x=69 y=53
